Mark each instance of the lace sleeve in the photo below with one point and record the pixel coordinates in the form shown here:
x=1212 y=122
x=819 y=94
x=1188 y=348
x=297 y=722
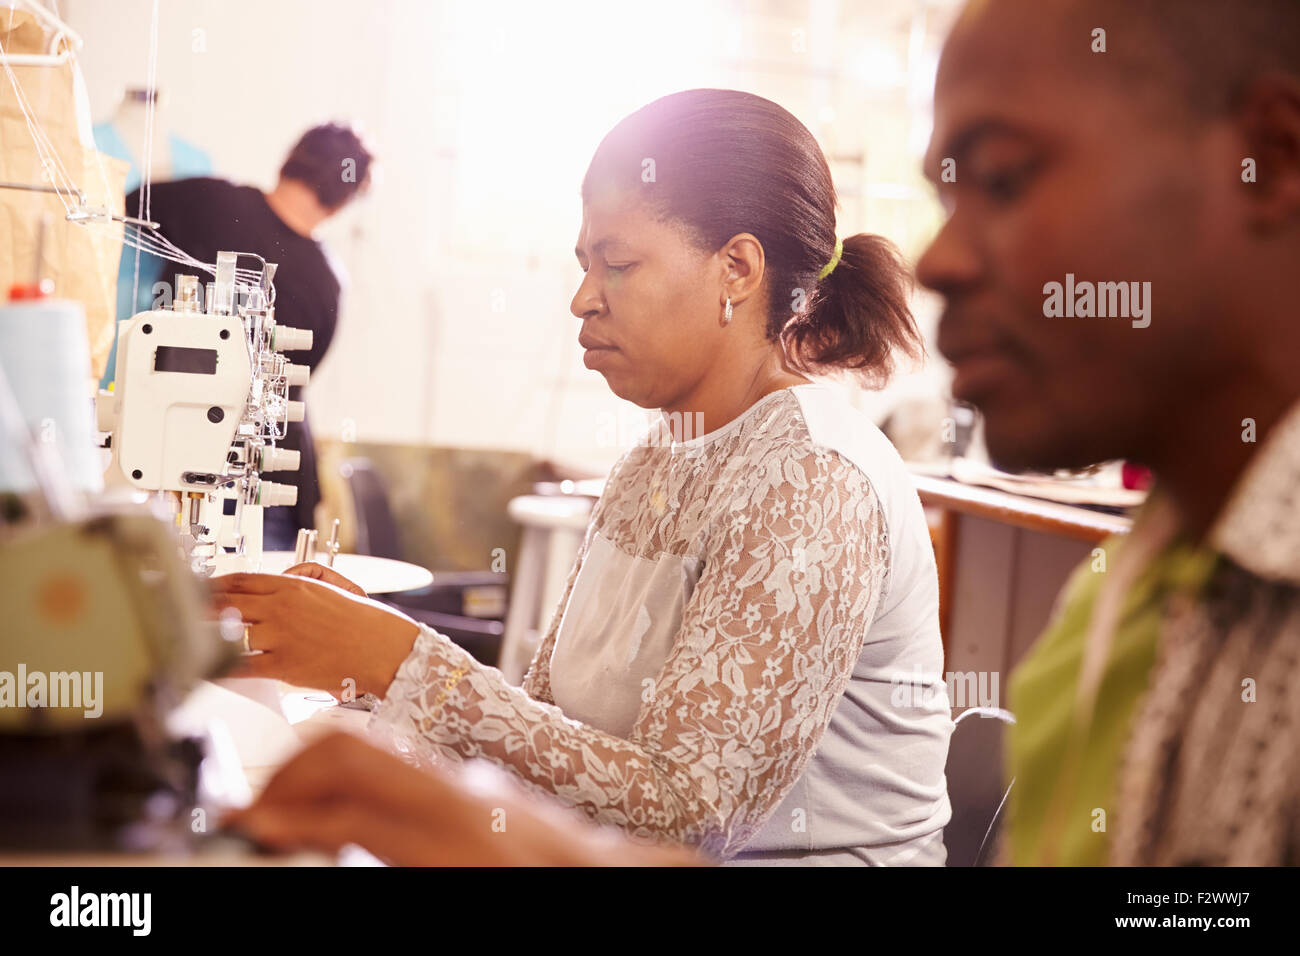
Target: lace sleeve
x=768 y=641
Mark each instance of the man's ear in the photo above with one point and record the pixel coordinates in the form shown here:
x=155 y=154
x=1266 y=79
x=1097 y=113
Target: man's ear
x=1269 y=118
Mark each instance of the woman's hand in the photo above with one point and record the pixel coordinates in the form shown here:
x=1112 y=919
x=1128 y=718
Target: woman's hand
x=314 y=634
x=340 y=790
x=314 y=569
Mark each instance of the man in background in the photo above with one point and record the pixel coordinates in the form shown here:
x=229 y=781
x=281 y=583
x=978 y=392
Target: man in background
x=1144 y=154
x=325 y=170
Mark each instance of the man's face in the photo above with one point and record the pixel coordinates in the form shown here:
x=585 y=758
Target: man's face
x=1059 y=170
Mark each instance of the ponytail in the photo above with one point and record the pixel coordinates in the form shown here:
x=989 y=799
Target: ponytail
x=859 y=319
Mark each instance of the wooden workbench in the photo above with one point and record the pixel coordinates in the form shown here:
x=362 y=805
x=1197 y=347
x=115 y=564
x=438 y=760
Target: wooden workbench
x=1003 y=558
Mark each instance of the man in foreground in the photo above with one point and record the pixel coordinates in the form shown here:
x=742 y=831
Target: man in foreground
x=1146 y=155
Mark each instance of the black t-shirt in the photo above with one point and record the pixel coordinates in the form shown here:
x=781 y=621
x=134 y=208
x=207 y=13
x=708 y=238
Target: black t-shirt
x=205 y=216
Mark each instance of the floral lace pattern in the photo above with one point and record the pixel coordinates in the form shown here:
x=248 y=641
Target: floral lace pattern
x=793 y=556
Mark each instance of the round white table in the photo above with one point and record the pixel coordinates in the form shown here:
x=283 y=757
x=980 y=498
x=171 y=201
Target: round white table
x=373 y=575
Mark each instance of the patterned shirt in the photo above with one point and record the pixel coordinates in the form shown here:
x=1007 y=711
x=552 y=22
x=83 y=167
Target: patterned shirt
x=1182 y=745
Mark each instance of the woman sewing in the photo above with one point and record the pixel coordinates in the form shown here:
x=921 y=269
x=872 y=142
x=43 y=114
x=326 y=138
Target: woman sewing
x=722 y=670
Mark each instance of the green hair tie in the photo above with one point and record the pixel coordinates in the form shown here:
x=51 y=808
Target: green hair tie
x=835 y=260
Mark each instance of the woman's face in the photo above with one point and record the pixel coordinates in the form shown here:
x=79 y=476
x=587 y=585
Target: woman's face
x=650 y=302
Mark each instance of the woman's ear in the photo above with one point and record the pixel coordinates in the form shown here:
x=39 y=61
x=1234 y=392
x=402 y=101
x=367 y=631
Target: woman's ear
x=743 y=265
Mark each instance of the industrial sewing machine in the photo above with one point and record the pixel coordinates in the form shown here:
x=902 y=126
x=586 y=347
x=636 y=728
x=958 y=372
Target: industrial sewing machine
x=201 y=397
x=105 y=628
x=107 y=625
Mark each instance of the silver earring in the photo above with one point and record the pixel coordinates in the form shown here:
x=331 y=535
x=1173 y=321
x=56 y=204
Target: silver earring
x=726 y=312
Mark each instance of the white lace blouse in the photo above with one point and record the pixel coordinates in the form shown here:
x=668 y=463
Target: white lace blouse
x=724 y=667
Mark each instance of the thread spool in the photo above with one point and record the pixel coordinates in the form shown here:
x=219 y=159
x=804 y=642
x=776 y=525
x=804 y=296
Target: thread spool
x=46 y=358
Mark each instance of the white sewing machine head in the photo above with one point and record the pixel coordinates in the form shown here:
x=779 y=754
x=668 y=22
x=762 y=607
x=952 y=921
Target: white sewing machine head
x=199 y=402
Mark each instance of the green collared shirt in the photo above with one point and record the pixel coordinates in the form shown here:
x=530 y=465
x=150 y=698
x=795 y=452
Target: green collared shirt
x=1188 y=756
x=1062 y=804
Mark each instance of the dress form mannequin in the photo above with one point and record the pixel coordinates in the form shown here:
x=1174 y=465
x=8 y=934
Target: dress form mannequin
x=130 y=121
x=123 y=137
x=173 y=158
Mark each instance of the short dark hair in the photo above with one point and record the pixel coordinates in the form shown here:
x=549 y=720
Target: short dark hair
x=727 y=162
x=1203 y=52
x=332 y=161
